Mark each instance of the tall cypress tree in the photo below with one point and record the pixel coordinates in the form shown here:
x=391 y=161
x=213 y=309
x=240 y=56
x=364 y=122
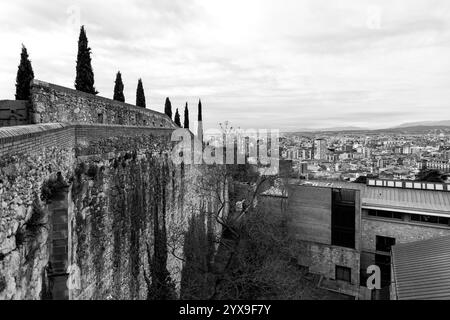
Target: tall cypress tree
x=177 y=118
x=24 y=76
x=84 y=80
x=186 y=117
x=168 y=108
x=199 y=110
x=118 y=88
x=140 y=95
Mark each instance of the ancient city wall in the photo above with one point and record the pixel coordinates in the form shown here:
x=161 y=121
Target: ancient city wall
x=13 y=112
x=127 y=209
x=53 y=103
x=31 y=139
x=29 y=158
x=130 y=211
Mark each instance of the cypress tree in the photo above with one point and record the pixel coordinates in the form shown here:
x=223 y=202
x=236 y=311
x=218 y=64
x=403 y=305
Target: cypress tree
x=24 y=76
x=186 y=117
x=84 y=80
x=168 y=108
x=177 y=118
x=140 y=95
x=199 y=110
x=118 y=88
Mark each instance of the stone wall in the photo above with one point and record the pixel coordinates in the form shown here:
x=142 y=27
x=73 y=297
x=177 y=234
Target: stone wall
x=128 y=208
x=13 y=112
x=53 y=103
x=402 y=231
x=30 y=140
x=323 y=259
x=24 y=248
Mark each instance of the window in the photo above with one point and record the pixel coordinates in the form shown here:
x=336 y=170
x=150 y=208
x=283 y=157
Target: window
x=343 y=218
x=383 y=260
x=430 y=219
x=385 y=214
x=384 y=243
x=343 y=274
x=100 y=118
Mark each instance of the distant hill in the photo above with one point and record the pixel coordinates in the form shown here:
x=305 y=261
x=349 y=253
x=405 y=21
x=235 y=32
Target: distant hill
x=334 y=129
x=408 y=127
x=421 y=129
x=441 y=123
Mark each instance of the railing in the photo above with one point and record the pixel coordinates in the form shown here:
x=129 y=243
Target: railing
x=402 y=184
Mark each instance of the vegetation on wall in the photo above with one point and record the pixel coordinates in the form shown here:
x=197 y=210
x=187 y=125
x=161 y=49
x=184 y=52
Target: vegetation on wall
x=159 y=283
x=33 y=226
x=254 y=253
x=51 y=187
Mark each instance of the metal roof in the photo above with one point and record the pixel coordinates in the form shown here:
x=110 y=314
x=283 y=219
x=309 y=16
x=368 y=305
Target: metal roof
x=395 y=199
x=421 y=269
x=420 y=201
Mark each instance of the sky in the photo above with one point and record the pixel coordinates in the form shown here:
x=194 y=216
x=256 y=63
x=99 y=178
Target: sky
x=276 y=64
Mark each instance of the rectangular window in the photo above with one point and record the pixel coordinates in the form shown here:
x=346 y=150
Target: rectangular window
x=430 y=219
x=385 y=214
x=343 y=218
x=384 y=243
x=344 y=274
x=100 y=118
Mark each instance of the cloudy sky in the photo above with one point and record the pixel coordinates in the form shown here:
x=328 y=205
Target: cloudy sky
x=287 y=64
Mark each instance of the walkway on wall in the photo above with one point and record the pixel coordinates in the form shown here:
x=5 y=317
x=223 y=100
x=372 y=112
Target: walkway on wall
x=58 y=246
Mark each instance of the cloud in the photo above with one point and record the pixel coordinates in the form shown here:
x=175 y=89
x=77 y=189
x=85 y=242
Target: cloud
x=278 y=64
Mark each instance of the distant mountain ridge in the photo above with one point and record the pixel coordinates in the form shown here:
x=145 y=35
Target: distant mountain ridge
x=441 y=123
x=414 y=126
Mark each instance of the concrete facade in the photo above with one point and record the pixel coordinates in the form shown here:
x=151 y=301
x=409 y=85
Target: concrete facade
x=308 y=211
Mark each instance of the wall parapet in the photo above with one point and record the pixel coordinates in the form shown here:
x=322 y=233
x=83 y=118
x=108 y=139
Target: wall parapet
x=32 y=138
x=54 y=103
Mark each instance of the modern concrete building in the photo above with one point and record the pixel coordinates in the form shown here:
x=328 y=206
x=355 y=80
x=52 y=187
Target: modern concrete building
x=343 y=228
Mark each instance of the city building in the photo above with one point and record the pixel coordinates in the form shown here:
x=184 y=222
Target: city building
x=320 y=149
x=343 y=228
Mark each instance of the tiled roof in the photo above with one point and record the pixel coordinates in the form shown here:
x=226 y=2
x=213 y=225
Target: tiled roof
x=421 y=269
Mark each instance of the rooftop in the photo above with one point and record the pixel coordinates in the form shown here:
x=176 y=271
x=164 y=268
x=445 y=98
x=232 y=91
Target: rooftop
x=421 y=269
x=418 y=201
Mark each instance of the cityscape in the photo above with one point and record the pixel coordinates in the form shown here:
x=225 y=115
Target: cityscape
x=396 y=154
